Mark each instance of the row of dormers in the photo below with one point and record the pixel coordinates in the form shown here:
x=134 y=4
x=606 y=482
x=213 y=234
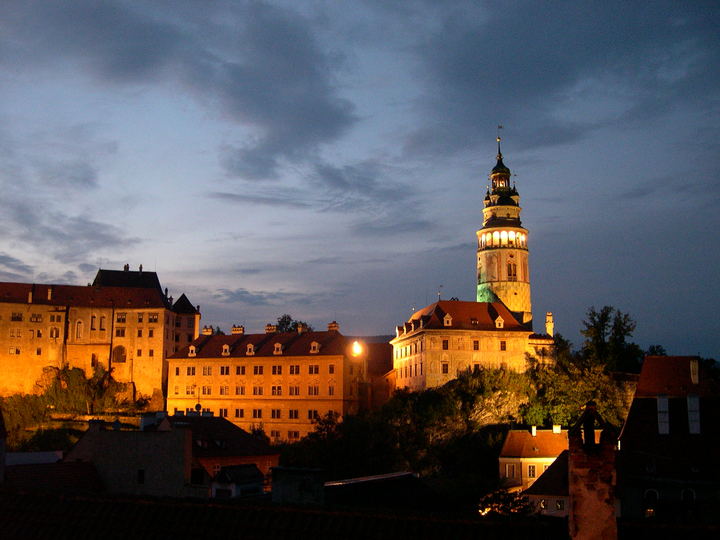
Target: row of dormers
x=417 y=324
x=250 y=349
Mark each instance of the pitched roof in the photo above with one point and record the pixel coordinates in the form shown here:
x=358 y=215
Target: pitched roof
x=183 y=305
x=465 y=316
x=671 y=376
x=293 y=344
x=521 y=443
x=127 y=278
x=239 y=474
x=216 y=437
x=76 y=295
x=554 y=480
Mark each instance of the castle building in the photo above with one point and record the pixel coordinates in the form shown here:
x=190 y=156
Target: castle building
x=281 y=382
x=123 y=322
x=447 y=337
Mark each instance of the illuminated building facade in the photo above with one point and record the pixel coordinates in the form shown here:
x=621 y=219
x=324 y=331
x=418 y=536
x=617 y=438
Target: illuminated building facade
x=450 y=336
x=280 y=381
x=123 y=322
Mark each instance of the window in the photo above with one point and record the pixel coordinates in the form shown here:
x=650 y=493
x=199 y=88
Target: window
x=224 y=370
x=559 y=504
x=531 y=471
x=295 y=370
x=313 y=414
x=139 y=353
x=177 y=338
x=293 y=435
x=476 y=345
x=331 y=369
x=512 y=271
x=331 y=390
x=190 y=370
x=119 y=332
x=542 y=504
x=79 y=330
x=313 y=390
x=239 y=370
x=102 y=323
x=445 y=368
x=239 y=413
x=257 y=370
x=14 y=350
x=190 y=322
x=151 y=352
x=274 y=434
x=93 y=319
x=294 y=390
x=16 y=316
x=276 y=390
x=120 y=318
x=447 y=320
x=293 y=414
x=119 y=354
x=239 y=390
x=224 y=390
x=207 y=371
x=206 y=390
x=510 y=470
x=314 y=347
x=275 y=413
x=445 y=344
x=176 y=390
x=257 y=413
x=476 y=368
x=250 y=349
x=223 y=413
x=503 y=345
x=663 y=415
x=277 y=370
x=257 y=390
x=152 y=317
x=499 y=322
x=38 y=333
x=140 y=317
x=314 y=369
x=151 y=332
x=278 y=348
x=693 y=405
x=177 y=322
x=38 y=351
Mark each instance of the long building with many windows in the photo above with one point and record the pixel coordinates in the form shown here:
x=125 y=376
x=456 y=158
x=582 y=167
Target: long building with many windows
x=281 y=382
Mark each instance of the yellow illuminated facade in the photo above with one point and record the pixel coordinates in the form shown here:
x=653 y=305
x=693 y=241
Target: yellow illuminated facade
x=280 y=382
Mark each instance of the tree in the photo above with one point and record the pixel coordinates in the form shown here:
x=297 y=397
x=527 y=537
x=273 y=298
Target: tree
x=218 y=331
x=606 y=340
x=285 y=323
x=656 y=350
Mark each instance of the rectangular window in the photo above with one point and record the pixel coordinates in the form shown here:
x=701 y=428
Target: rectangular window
x=663 y=415
x=190 y=390
x=206 y=390
x=151 y=352
x=294 y=390
x=275 y=413
x=120 y=318
x=510 y=470
x=445 y=368
x=223 y=413
x=93 y=320
x=177 y=390
x=313 y=390
x=503 y=345
x=276 y=390
x=139 y=353
x=119 y=332
x=693 y=405
x=274 y=434
x=177 y=338
x=531 y=471
x=257 y=370
x=151 y=332
x=139 y=332
x=190 y=370
x=239 y=413
x=14 y=350
x=239 y=370
x=314 y=369
x=257 y=390
x=102 y=323
x=293 y=435
x=224 y=390
x=293 y=414
x=16 y=316
x=476 y=345
x=239 y=390
x=294 y=370
x=331 y=369
x=257 y=413
x=38 y=352
x=207 y=371
x=445 y=344
x=140 y=317
x=224 y=370
x=312 y=414
x=559 y=504
x=331 y=390
x=152 y=317
x=277 y=370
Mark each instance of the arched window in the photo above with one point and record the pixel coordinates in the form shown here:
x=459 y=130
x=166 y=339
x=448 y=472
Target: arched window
x=314 y=347
x=226 y=350
x=79 y=330
x=119 y=354
x=511 y=238
x=250 y=349
x=191 y=350
x=504 y=238
x=278 y=348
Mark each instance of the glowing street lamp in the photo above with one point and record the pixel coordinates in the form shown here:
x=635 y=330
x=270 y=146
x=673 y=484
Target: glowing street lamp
x=357 y=348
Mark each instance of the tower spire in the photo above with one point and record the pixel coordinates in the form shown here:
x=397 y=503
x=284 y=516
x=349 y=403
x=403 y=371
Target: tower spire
x=499 y=138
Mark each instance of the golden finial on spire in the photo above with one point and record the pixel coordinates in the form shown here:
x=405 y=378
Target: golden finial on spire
x=499 y=156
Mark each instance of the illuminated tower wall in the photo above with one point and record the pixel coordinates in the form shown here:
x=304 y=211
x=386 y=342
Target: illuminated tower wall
x=502 y=254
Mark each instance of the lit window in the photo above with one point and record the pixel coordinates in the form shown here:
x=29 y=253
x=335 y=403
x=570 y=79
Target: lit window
x=140 y=317
x=531 y=471
x=152 y=317
x=560 y=504
x=120 y=317
x=693 y=405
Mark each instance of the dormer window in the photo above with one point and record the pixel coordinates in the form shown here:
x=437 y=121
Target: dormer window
x=499 y=322
x=278 y=348
x=314 y=347
x=474 y=321
x=447 y=320
x=226 y=350
x=250 y=349
x=192 y=351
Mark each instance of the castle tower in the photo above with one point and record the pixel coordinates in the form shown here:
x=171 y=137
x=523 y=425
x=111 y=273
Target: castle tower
x=502 y=254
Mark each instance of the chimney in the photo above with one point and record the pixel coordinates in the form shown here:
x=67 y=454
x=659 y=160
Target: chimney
x=166 y=292
x=333 y=327
x=557 y=428
x=30 y=296
x=49 y=296
x=207 y=330
x=549 y=324
x=237 y=330
x=126 y=268
x=301 y=328
x=140 y=268
x=270 y=328
x=533 y=431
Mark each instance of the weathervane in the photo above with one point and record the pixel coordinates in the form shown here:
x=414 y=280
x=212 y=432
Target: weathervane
x=439 y=291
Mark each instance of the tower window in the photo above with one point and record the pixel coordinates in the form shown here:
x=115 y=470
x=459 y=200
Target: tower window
x=512 y=271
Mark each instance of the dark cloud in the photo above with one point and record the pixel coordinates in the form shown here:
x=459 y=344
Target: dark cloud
x=13 y=269
x=86 y=268
x=277 y=199
x=262 y=298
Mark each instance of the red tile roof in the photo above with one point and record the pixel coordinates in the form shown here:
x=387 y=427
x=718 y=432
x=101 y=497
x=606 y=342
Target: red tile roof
x=554 y=480
x=670 y=376
x=293 y=344
x=520 y=443
x=86 y=296
x=465 y=316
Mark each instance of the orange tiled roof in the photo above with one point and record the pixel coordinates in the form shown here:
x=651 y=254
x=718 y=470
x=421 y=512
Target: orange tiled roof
x=520 y=443
x=670 y=376
x=293 y=344
x=465 y=316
